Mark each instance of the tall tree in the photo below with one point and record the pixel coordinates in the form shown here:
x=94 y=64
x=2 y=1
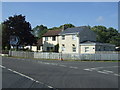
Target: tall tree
x=107 y=35
x=17 y=26
x=67 y=25
x=61 y=26
x=38 y=31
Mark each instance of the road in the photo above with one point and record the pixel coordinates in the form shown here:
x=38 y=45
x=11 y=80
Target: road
x=28 y=73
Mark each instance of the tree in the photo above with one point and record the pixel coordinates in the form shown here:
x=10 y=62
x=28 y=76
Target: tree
x=61 y=26
x=38 y=31
x=56 y=48
x=17 y=26
x=107 y=35
x=67 y=25
x=101 y=33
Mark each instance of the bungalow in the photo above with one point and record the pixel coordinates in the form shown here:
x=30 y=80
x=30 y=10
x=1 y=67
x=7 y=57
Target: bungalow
x=95 y=47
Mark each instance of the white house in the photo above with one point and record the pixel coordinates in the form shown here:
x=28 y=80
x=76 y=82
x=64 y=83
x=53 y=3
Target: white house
x=50 y=40
x=81 y=40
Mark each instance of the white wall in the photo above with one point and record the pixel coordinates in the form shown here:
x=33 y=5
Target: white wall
x=91 y=49
x=49 y=43
x=68 y=44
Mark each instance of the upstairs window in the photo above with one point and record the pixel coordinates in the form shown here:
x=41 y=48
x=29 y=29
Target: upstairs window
x=53 y=38
x=63 y=47
x=46 y=38
x=73 y=37
x=63 y=37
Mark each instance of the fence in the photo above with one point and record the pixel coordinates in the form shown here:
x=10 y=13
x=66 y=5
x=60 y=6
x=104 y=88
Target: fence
x=21 y=54
x=46 y=55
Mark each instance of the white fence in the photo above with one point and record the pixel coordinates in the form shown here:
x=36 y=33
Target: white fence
x=46 y=55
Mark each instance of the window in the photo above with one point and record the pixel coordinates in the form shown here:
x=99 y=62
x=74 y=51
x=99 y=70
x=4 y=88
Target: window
x=38 y=47
x=104 y=48
x=86 y=49
x=73 y=45
x=63 y=37
x=63 y=47
x=74 y=49
x=53 y=38
x=99 y=49
x=74 y=37
x=46 y=38
x=49 y=48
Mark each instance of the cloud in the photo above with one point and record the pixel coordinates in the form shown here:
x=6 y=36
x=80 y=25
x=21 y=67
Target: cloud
x=100 y=19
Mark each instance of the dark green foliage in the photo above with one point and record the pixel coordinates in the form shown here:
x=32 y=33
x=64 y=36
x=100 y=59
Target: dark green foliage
x=56 y=48
x=16 y=25
x=38 y=31
x=67 y=25
x=107 y=35
x=54 y=28
x=60 y=27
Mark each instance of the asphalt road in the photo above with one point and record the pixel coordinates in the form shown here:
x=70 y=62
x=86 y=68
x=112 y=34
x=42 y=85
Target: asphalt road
x=28 y=73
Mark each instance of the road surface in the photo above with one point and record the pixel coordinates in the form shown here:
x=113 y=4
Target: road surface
x=28 y=73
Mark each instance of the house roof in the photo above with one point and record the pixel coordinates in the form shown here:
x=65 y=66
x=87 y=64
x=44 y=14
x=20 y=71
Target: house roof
x=39 y=42
x=95 y=43
x=74 y=30
x=52 y=33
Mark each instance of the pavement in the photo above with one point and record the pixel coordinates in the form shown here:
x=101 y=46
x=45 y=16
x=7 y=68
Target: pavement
x=28 y=73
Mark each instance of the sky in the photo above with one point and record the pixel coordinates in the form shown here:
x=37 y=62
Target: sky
x=54 y=14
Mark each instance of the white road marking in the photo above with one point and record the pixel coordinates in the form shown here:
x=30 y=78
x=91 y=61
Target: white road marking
x=25 y=76
x=104 y=67
x=50 y=86
x=62 y=65
x=2 y=66
x=108 y=71
x=10 y=69
x=102 y=72
x=73 y=67
x=46 y=63
x=116 y=74
x=88 y=69
x=54 y=64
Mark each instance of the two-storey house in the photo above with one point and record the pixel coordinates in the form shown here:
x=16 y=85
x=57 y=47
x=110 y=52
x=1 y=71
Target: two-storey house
x=50 y=39
x=81 y=40
x=70 y=39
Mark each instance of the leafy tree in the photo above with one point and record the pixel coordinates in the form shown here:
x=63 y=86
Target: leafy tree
x=38 y=31
x=101 y=33
x=67 y=25
x=107 y=35
x=56 y=48
x=60 y=27
x=54 y=28
x=16 y=25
